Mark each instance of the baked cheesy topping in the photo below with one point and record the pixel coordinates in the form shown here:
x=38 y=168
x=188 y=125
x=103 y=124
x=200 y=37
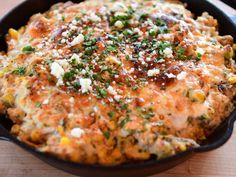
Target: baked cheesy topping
x=110 y=82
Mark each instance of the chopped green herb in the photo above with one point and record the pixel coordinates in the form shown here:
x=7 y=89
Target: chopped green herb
x=106 y=134
x=128 y=32
x=124 y=121
x=111 y=48
x=63 y=18
x=38 y=105
x=181 y=53
x=111 y=114
x=160 y=22
x=76 y=85
x=20 y=71
x=68 y=76
x=101 y=93
x=28 y=49
x=152 y=32
x=124 y=106
x=143 y=17
x=199 y=56
x=148 y=115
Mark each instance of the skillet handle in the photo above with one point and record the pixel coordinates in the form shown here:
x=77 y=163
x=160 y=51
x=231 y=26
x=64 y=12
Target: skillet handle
x=225 y=8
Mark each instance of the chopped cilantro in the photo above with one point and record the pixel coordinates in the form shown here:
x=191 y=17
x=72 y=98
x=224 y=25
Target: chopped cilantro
x=160 y=22
x=38 y=105
x=111 y=114
x=143 y=17
x=28 y=49
x=111 y=48
x=20 y=71
x=124 y=106
x=76 y=85
x=181 y=53
x=199 y=56
x=106 y=134
x=68 y=76
x=101 y=93
x=124 y=121
x=152 y=32
x=148 y=115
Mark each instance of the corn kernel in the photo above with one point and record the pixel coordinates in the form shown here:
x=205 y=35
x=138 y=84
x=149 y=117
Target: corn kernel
x=5 y=70
x=234 y=47
x=8 y=98
x=197 y=95
x=60 y=129
x=35 y=135
x=65 y=141
x=13 y=33
x=232 y=80
x=182 y=147
x=113 y=60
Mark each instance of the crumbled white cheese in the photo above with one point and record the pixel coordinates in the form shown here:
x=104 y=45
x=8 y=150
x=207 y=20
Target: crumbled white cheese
x=137 y=30
x=73 y=27
x=118 y=6
x=76 y=57
x=65 y=34
x=119 y=24
x=55 y=53
x=124 y=132
x=64 y=63
x=111 y=90
x=95 y=18
x=103 y=10
x=153 y=72
x=117 y=97
x=182 y=75
x=78 y=40
x=71 y=100
x=170 y=75
x=46 y=101
x=168 y=52
x=77 y=132
x=200 y=50
x=120 y=14
x=85 y=85
x=58 y=72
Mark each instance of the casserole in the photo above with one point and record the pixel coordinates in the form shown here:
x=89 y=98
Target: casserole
x=163 y=160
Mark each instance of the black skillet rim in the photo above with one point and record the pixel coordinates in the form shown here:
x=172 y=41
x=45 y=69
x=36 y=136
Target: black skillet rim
x=5 y=135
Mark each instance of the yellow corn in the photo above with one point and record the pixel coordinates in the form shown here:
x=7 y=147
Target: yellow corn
x=5 y=70
x=64 y=140
x=113 y=60
x=35 y=135
x=8 y=97
x=234 y=47
x=182 y=147
x=232 y=80
x=60 y=129
x=197 y=95
x=13 y=33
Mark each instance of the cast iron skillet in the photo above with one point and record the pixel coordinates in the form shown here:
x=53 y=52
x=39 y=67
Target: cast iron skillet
x=19 y=17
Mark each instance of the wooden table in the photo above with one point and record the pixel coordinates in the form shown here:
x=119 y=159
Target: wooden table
x=15 y=162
